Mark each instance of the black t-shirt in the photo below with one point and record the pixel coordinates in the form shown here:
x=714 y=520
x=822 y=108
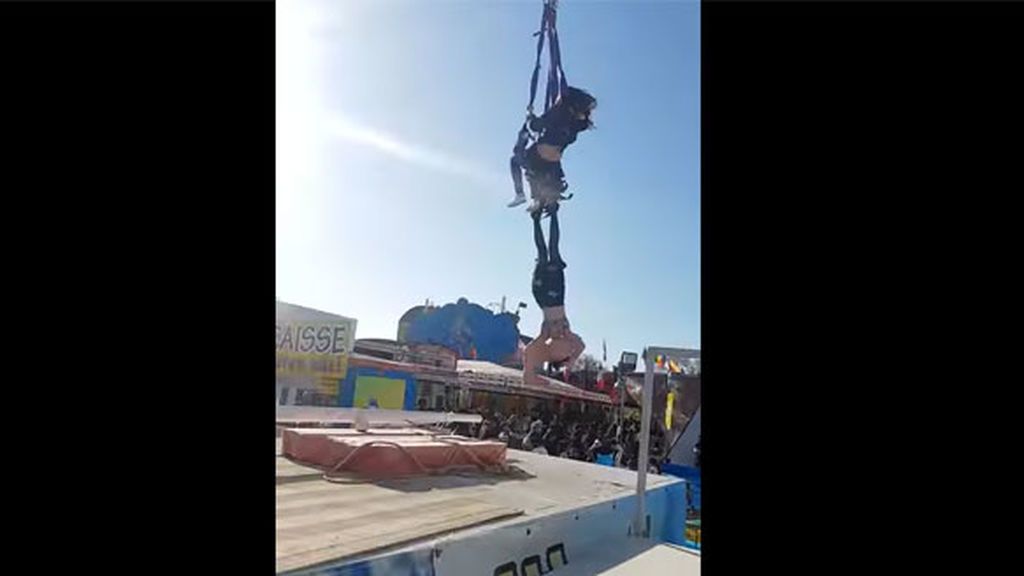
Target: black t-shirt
x=558 y=127
x=549 y=285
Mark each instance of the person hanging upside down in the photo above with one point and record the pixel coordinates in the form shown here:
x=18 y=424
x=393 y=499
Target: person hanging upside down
x=542 y=161
x=556 y=342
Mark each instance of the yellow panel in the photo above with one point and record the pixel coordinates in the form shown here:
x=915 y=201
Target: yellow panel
x=389 y=392
x=669 y=403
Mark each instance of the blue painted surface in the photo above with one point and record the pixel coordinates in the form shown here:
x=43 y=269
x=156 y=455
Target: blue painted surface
x=417 y=562
x=674 y=528
x=688 y=544
x=465 y=326
x=348 y=385
x=691 y=496
x=409 y=403
x=348 y=389
x=679 y=471
x=692 y=477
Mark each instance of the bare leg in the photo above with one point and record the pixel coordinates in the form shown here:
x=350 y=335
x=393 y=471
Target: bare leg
x=577 y=347
x=567 y=348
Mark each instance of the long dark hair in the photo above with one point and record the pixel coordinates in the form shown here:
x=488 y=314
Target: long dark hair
x=579 y=100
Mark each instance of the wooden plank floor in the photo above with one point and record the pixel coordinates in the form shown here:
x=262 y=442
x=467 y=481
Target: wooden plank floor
x=318 y=521
x=288 y=471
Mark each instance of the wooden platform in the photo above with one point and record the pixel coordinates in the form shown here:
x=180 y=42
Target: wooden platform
x=320 y=522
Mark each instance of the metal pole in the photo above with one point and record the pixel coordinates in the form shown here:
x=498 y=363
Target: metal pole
x=622 y=402
x=640 y=522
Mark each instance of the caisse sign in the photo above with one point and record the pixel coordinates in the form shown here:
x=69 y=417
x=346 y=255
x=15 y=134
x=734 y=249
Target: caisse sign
x=313 y=345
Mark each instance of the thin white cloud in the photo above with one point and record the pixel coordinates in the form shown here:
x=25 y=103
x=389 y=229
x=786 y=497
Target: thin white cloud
x=344 y=128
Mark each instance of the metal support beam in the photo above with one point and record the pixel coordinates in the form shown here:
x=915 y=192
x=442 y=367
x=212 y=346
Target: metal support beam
x=646 y=409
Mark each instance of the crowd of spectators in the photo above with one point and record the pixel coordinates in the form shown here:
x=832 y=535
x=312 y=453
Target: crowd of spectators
x=595 y=436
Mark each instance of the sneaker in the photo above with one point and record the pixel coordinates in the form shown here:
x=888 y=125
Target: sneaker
x=520 y=199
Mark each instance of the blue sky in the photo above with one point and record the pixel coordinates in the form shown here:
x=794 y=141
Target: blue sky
x=395 y=122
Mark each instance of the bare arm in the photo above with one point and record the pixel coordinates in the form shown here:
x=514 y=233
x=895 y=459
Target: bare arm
x=545 y=332
x=532 y=358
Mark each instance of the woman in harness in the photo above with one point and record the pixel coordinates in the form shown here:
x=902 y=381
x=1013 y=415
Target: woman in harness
x=542 y=161
x=556 y=342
